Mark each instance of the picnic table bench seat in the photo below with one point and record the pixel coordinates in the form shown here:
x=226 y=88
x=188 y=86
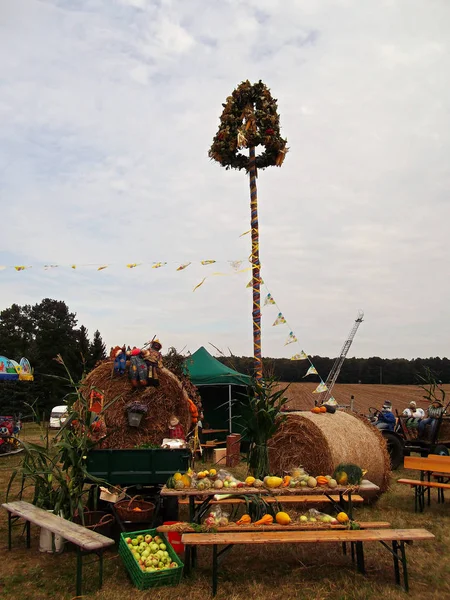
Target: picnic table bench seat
x=396 y=537
x=85 y=540
x=421 y=486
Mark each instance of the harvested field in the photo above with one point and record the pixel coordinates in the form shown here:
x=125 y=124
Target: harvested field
x=301 y=397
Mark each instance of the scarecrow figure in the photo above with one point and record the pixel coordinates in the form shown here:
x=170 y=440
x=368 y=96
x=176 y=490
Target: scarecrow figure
x=153 y=359
x=138 y=369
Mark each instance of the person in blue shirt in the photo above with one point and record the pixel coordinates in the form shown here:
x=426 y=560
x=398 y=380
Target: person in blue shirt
x=386 y=418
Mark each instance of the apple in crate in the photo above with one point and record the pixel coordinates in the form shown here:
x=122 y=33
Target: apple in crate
x=148 y=538
x=173 y=565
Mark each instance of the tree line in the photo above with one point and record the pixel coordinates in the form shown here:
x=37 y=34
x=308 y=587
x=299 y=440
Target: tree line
x=39 y=333
x=374 y=370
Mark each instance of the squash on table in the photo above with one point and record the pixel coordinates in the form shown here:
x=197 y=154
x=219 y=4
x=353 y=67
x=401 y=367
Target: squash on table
x=244 y=520
x=266 y=520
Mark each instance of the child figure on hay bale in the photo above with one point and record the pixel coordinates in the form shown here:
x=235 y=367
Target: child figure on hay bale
x=176 y=431
x=153 y=359
x=120 y=360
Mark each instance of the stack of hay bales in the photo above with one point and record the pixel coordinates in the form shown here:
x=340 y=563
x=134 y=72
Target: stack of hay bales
x=319 y=442
x=170 y=398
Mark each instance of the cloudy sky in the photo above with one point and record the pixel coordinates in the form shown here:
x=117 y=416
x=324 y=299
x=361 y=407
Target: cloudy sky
x=107 y=112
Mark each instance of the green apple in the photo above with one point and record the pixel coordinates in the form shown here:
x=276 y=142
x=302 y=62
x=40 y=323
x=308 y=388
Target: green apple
x=134 y=541
x=162 y=546
x=154 y=547
x=148 y=538
x=303 y=519
x=140 y=538
x=128 y=540
x=157 y=539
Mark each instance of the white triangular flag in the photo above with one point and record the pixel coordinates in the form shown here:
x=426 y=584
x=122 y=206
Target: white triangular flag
x=291 y=339
x=311 y=371
x=301 y=356
x=320 y=388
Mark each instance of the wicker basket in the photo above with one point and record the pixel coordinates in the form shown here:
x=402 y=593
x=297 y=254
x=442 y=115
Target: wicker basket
x=126 y=510
x=98 y=521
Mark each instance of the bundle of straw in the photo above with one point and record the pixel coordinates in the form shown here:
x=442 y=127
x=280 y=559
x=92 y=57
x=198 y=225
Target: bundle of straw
x=319 y=442
x=169 y=399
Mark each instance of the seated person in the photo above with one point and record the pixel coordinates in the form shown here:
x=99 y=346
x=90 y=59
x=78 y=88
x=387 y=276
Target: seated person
x=434 y=413
x=386 y=418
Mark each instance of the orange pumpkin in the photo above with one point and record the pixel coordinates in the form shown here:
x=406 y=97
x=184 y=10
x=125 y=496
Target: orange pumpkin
x=316 y=410
x=323 y=409
x=321 y=480
x=266 y=520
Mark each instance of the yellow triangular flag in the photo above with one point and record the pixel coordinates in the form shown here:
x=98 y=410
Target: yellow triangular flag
x=21 y=268
x=74 y=266
x=183 y=266
x=102 y=267
x=132 y=265
x=207 y=262
x=199 y=284
x=311 y=371
x=158 y=265
x=301 y=356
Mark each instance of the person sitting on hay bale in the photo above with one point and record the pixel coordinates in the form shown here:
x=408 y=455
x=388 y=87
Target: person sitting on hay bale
x=153 y=359
x=175 y=429
x=386 y=418
x=138 y=369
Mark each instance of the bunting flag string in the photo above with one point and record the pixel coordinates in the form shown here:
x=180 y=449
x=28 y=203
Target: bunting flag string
x=234 y=264
x=302 y=355
x=221 y=275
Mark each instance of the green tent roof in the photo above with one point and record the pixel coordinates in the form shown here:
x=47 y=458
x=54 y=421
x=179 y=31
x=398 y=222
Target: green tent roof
x=204 y=369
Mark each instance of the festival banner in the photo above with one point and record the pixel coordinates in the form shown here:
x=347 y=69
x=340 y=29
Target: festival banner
x=301 y=356
x=183 y=266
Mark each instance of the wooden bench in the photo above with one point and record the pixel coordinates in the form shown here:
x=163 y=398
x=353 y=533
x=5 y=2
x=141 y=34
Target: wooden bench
x=84 y=539
x=420 y=487
x=397 y=537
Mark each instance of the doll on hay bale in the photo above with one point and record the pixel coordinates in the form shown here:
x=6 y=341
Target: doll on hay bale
x=153 y=359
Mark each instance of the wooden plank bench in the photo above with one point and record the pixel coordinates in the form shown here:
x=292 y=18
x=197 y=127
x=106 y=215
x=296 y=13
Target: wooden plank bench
x=420 y=487
x=84 y=539
x=397 y=537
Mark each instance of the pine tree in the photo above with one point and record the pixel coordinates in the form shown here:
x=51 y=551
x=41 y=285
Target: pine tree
x=97 y=350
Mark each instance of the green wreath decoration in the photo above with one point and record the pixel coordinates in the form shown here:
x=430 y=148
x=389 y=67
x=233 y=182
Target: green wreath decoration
x=249 y=118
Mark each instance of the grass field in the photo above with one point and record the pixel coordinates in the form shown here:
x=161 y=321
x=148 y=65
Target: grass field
x=249 y=573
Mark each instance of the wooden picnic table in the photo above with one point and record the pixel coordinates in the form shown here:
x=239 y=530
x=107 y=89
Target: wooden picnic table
x=434 y=464
x=210 y=431
x=337 y=496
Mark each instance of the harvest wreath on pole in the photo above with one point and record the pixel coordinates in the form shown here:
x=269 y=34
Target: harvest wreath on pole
x=250 y=119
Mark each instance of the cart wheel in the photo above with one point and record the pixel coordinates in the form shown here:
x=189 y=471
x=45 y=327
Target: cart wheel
x=441 y=450
x=395 y=449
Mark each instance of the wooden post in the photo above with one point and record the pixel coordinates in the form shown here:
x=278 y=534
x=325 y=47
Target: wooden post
x=256 y=274
x=233 y=449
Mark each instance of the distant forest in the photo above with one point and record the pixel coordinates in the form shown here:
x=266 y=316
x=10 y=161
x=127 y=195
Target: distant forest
x=387 y=371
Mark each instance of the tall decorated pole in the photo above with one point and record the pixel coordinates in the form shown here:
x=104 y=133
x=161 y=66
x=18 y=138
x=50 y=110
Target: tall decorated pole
x=250 y=119
x=256 y=267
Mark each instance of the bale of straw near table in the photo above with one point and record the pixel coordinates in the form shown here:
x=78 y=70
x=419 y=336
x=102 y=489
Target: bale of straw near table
x=170 y=398
x=319 y=442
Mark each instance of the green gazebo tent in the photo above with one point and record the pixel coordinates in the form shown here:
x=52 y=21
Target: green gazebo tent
x=214 y=378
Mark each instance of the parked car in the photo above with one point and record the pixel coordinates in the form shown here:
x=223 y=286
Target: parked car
x=58 y=417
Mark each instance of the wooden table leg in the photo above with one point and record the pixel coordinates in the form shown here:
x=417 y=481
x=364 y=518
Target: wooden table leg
x=405 y=567
x=28 y=525
x=360 y=558
x=215 y=569
x=396 y=562
x=9 y=530
x=100 y=568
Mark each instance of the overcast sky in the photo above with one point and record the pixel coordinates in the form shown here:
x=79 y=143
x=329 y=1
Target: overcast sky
x=108 y=109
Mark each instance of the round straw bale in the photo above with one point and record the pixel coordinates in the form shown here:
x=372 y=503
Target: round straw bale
x=319 y=442
x=169 y=399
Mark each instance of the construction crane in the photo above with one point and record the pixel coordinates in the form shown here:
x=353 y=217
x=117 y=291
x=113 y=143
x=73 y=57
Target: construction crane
x=336 y=368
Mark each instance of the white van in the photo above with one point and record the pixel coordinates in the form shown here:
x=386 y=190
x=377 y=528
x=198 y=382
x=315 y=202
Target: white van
x=58 y=416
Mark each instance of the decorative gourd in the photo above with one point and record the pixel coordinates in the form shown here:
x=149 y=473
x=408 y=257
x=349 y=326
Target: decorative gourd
x=244 y=520
x=186 y=480
x=170 y=483
x=348 y=473
x=250 y=481
x=316 y=410
x=266 y=520
x=286 y=481
x=332 y=483
x=342 y=517
x=312 y=482
x=282 y=518
x=273 y=482
x=323 y=409
x=321 y=480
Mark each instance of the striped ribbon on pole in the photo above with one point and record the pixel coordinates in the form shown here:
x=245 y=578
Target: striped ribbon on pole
x=256 y=267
